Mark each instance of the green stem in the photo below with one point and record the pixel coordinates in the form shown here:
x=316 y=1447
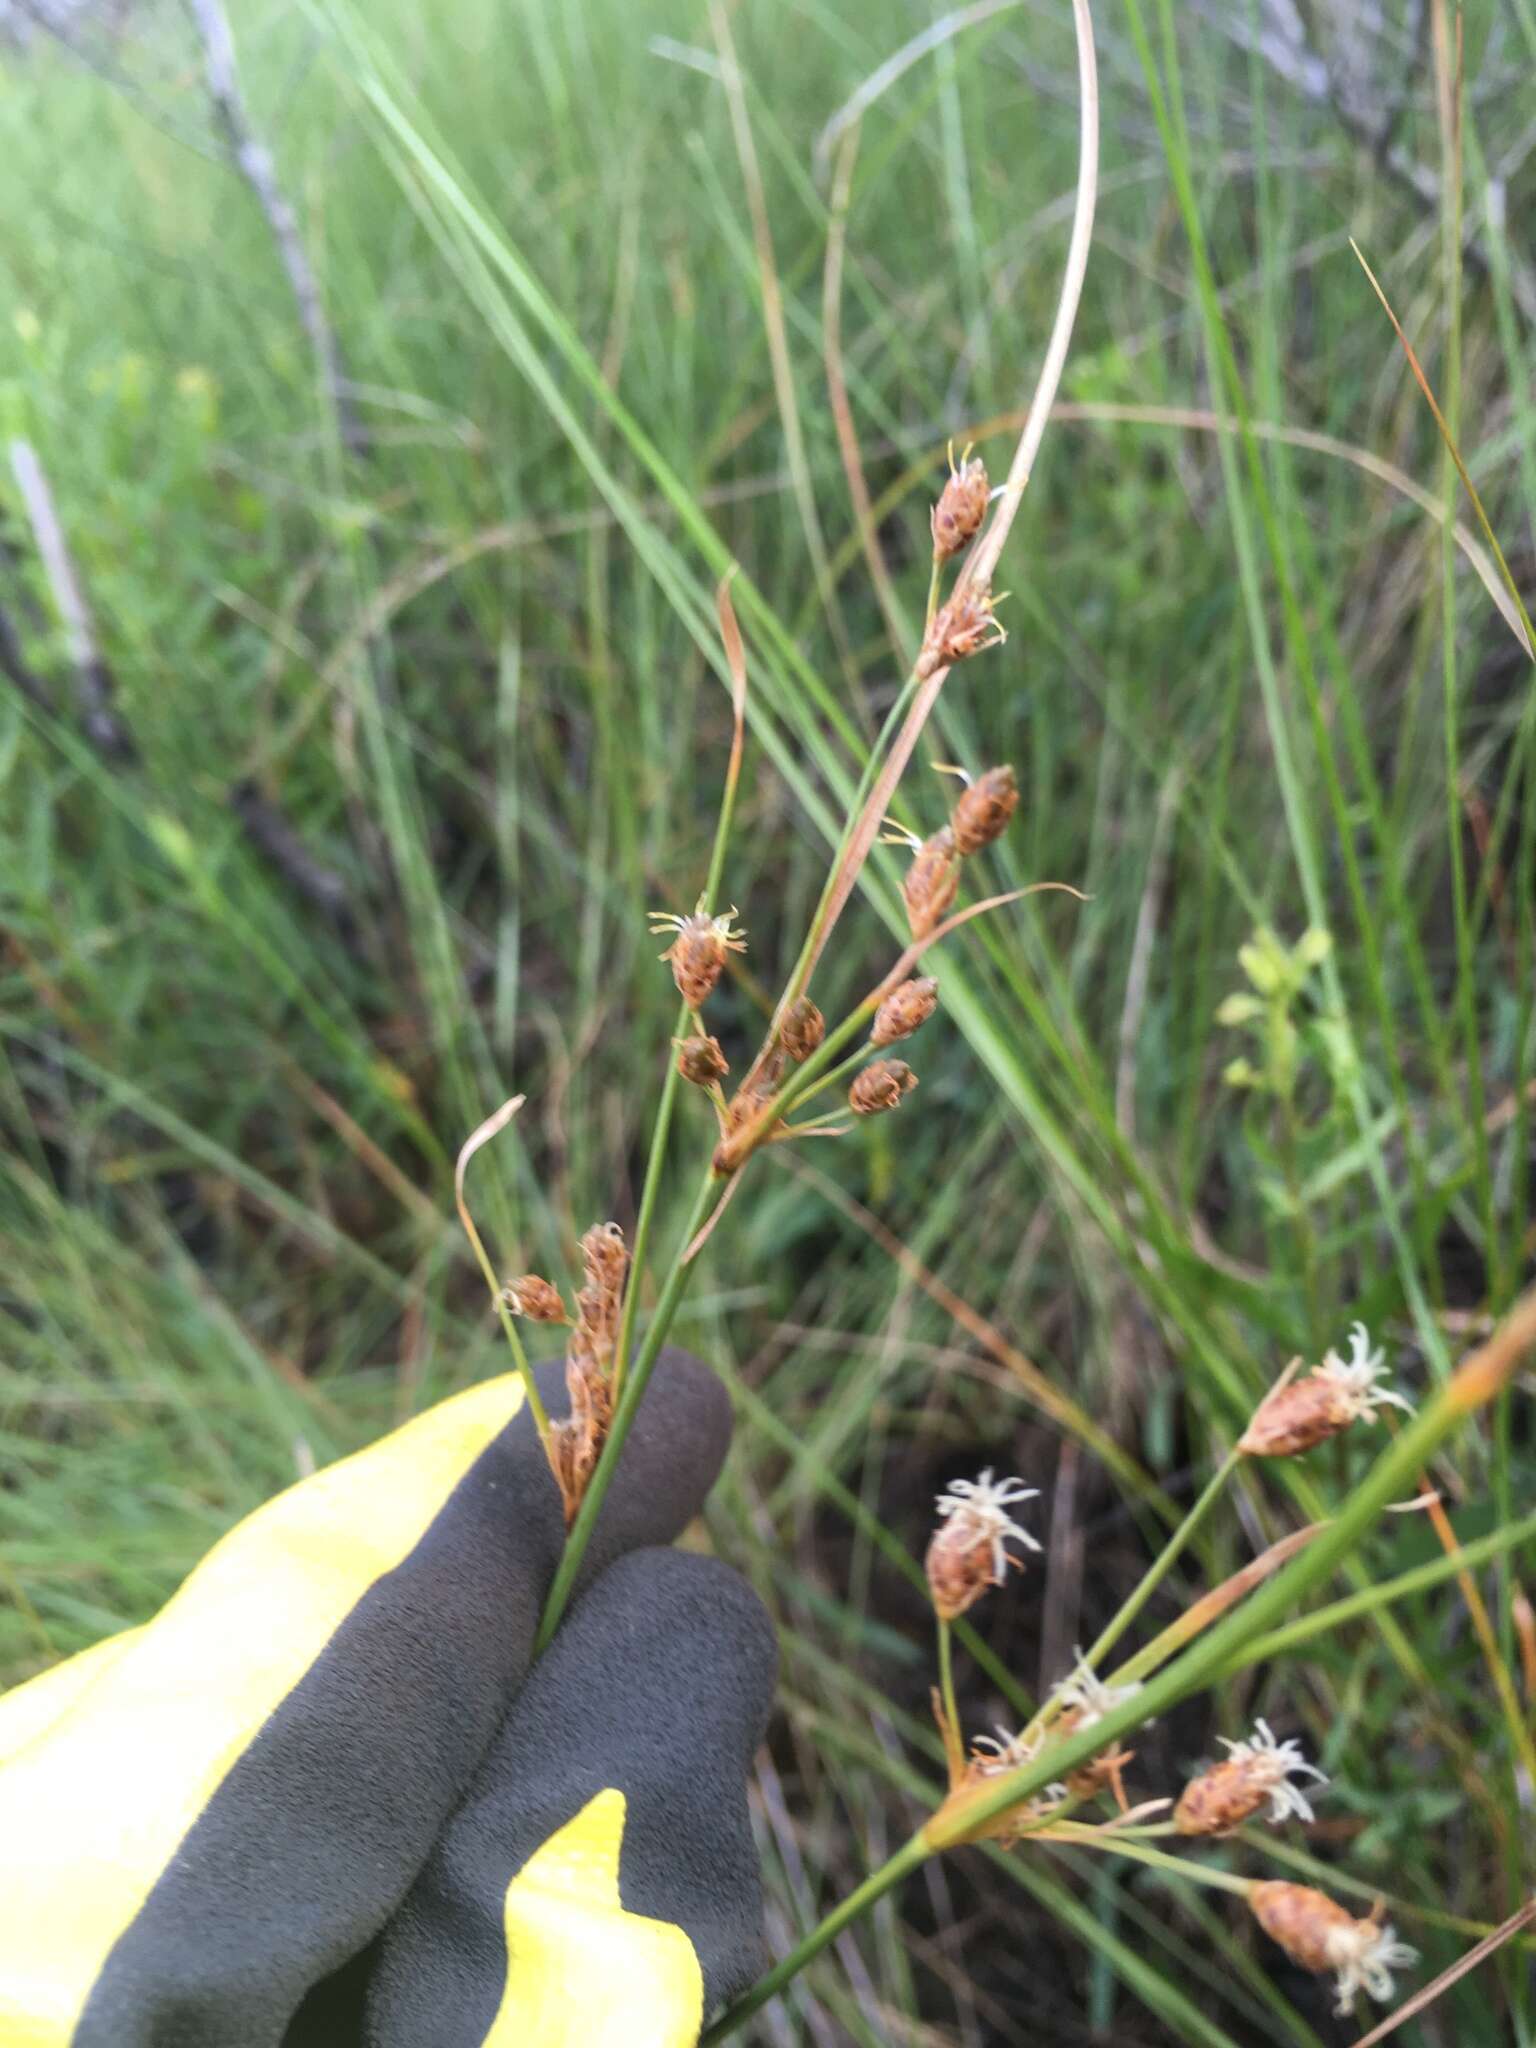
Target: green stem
x=934 y=582
x=1114 y=1844
x=1163 y=1564
x=629 y=1401
x=947 y=1678
x=649 y=1195
x=536 y=1406
x=874 y=1887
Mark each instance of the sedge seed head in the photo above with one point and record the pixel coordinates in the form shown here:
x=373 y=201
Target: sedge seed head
x=801 y=1029
x=880 y=1086
x=931 y=882
x=967 y=625
x=701 y=1060
x=962 y=506
x=698 y=950
x=1319 y=1934
x=905 y=1010
x=1331 y=1397
x=1256 y=1772
x=969 y=1549
x=982 y=813
x=536 y=1298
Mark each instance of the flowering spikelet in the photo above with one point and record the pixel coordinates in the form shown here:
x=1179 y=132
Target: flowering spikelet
x=969 y=1550
x=701 y=1061
x=956 y=518
x=982 y=813
x=1221 y=1799
x=1320 y=1935
x=1082 y=1701
x=1331 y=1397
x=932 y=880
x=589 y=1362
x=698 y=951
x=880 y=1086
x=904 y=1010
x=534 y=1297
x=801 y=1029
x=994 y=1756
x=967 y=625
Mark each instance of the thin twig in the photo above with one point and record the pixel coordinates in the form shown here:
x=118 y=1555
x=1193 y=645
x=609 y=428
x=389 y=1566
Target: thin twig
x=94 y=687
x=257 y=166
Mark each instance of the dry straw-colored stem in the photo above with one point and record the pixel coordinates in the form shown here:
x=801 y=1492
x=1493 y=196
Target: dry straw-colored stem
x=482 y=1135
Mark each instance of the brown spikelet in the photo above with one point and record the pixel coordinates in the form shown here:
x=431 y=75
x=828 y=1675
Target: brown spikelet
x=1097 y=1773
x=801 y=1029
x=960 y=1566
x=1221 y=1799
x=589 y=1362
x=701 y=1060
x=967 y=625
x=904 y=1010
x=962 y=506
x=1304 y=1921
x=534 y=1297
x=880 y=1086
x=931 y=882
x=1296 y=1417
x=698 y=951
x=983 y=812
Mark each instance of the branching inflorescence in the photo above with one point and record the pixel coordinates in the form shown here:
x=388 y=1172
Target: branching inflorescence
x=1060 y=1777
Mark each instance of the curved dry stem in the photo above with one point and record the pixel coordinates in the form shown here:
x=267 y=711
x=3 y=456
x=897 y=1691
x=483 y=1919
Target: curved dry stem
x=481 y=1135
x=983 y=563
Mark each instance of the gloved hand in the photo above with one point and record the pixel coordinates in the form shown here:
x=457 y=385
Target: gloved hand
x=322 y=1799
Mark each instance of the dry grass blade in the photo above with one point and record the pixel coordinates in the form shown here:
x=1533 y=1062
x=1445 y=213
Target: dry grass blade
x=979 y=570
x=482 y=1134
x=736 y=661
x=919 y=947
x=1528 y=639
x=1211 y=1606
x=1427 y=1996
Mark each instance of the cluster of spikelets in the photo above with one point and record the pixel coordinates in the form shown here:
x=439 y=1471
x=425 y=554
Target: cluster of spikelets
x=699 y=948
x=970 y=1553
x=700 y=944
x=575 y=1442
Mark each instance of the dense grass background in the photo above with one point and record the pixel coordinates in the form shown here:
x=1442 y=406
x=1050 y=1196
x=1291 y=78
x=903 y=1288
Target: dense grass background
x=475 y=673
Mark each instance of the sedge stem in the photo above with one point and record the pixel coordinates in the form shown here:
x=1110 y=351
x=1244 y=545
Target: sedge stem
x=1116 y=1844
x=649 y=1195
x=536 y=1406
x=934 y=582
x=875 y=1886
x=947 y=1677
x=1164 y=1562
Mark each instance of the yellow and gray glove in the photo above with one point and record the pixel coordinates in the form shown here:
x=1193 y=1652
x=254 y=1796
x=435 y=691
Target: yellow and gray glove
x=323 y=1801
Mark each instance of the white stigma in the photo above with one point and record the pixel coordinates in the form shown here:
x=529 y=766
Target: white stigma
x=1364 y=1955
x=977 y=1509
x=1275 y=1761
x=1357 y=1376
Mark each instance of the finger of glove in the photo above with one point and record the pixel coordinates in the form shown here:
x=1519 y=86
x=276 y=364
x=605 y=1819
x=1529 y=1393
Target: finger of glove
x=242 y=1799
x=599 y=1886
